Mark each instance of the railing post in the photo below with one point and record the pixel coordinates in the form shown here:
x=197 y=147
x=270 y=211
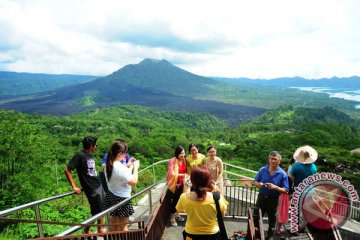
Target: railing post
x=38 y=218
x=150 y=201
x=154 y=174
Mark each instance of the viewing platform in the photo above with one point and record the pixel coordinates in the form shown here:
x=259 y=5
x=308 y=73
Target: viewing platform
x=151 y=217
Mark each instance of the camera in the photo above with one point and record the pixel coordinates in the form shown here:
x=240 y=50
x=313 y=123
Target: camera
x=266 y=185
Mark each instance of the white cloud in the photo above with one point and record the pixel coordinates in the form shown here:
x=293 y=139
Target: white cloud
x=257 y=39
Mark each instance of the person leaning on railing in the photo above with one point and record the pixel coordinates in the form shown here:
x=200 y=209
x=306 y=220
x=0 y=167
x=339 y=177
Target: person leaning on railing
x=271 y=180
x=84 y=164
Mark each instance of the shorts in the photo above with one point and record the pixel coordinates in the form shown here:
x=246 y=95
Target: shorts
x=95 y=199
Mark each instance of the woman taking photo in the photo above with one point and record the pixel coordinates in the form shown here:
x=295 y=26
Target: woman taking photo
x=200 y=207
x=120 y=180
x=175 y=180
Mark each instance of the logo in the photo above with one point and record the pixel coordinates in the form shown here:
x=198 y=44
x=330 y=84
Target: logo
x=322 y=200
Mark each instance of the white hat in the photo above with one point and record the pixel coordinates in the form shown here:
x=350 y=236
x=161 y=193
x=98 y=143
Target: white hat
x=305 y=155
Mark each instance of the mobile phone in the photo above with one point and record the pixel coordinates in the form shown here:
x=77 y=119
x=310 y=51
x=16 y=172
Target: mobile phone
x=188 y=182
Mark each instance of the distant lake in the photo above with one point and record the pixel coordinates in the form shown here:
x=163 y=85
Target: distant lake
x=348 y=94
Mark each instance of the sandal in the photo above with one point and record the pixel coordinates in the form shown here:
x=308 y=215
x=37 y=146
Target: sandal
x=179 y=218
x=102 y=230
x=87 y=232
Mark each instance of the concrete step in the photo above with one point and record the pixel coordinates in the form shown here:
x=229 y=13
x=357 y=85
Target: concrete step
x=142 y=208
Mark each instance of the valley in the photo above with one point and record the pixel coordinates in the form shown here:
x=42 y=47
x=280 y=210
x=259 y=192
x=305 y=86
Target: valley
x=41 y=132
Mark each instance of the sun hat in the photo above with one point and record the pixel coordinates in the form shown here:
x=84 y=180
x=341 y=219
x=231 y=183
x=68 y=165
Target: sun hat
x=305 y=155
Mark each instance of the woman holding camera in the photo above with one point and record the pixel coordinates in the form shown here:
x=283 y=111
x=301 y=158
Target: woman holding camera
x=119 y=179
x=200 y=208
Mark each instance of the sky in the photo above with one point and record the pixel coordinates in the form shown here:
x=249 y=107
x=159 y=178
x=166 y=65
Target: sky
x=253 y=38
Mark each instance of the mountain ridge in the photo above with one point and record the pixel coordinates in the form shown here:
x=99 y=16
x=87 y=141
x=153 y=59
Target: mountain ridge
x=164 y=75
x=22 y=83
x=157 y=84
x=162 y=85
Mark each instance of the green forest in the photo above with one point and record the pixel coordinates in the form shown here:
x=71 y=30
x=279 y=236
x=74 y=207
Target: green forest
x=34 y=149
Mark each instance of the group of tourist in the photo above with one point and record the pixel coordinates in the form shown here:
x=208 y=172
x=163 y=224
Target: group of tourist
x=192 y=181
x=120 y=174
x=274 y=182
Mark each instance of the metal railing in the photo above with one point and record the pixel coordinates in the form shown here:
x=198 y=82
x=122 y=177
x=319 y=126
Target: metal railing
x=250 y=173
x=105 y=212
x=240 y=196
x=36 y=206
x=355 y=211
x=239 y=192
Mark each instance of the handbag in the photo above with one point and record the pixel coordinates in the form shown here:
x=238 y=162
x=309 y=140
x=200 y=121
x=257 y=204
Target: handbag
x=216 y=196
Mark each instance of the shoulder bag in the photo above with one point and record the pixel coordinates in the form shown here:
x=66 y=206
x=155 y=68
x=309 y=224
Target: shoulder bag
x=216 y=196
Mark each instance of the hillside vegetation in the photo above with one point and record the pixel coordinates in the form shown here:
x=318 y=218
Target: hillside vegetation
x=35 y=149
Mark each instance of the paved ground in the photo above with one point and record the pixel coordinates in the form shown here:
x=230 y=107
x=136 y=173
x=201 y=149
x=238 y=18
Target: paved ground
x=231 y=225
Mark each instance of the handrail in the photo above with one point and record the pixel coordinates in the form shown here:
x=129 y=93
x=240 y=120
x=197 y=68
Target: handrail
x=234 y=166
x=103 y=213
x=153 y=165
x=32 y=204
x=236 y=174
x=37 y=203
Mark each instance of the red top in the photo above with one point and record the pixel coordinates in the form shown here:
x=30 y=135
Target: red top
x=182 y=170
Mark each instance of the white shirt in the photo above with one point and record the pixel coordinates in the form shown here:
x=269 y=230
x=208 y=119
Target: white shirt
x=120 y=177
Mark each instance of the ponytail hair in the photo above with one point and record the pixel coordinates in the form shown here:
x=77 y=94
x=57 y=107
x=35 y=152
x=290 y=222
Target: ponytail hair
x=200 y=179
x=116 y=148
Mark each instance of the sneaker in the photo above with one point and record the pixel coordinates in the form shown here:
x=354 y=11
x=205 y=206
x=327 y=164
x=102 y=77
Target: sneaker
x=173 y=222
